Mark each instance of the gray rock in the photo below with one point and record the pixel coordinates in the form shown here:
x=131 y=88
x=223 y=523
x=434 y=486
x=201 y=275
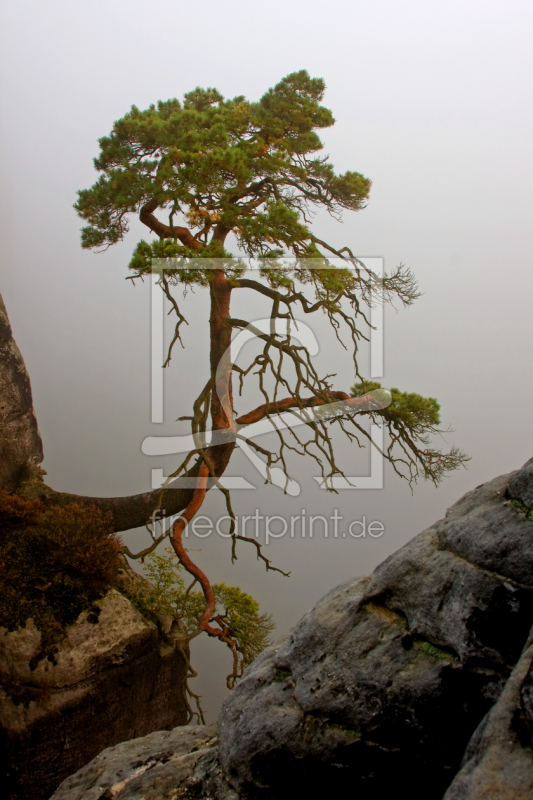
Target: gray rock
x=21 y=449
x=176 y=764
x=475 y=615
x=486 y=529
x=366 y=692
x=381 y=688
x=498 y=763
x=113 y=678
x=521 y=484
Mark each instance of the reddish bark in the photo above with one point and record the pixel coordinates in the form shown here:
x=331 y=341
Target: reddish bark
x=165 y=231
x=220 y=363
x=210 y=601
x=177 y=530
x=291 y=402
x=219 y=456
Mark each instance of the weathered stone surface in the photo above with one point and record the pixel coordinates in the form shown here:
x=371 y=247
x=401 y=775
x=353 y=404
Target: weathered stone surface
x=177 y=764
x=476 y=615
x=381 y=688
x=521 y=484
x=21 y=449
x=487 y=530
x=498 y=763
x=366 y=692
x=114 y=677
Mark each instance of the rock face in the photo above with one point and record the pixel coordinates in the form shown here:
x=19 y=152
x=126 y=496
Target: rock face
x=178 y=764
x=21 y=449
x=416 y=681
x=114 y=677
x=384 y=682
x=498 y=763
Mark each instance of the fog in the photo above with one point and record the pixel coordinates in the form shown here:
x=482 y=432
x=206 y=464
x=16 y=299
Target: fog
x=432 y=102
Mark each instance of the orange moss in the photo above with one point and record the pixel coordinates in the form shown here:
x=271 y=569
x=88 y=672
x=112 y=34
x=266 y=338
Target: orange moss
x=15 y=512
x=55 y=562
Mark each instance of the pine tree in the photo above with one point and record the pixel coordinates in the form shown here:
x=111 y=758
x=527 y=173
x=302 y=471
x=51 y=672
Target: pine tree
x=217 y=167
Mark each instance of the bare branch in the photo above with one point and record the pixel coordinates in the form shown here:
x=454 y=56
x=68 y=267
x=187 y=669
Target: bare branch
x=164 y=283
x=259 y=553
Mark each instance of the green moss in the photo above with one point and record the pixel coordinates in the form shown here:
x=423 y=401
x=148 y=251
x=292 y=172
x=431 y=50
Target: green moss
x=344 y=729
x=523 y=509
x=282 y=675
x=440 y=653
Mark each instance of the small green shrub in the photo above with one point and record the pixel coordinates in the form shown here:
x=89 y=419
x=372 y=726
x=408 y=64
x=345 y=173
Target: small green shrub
x=247 y=626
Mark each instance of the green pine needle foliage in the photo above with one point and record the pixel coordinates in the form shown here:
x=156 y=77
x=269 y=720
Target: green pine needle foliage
x=418 y=414
x=251 y=167
x=411 y=421
x=249 y=628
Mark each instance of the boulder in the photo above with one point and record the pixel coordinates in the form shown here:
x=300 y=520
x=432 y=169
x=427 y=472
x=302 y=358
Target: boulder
x=178 y=764
x=152 y=766
x=415 y=681
x=115 y=676
x=384 y=682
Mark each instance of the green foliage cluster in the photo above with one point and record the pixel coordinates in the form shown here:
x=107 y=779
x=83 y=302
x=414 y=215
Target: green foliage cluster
x=408 y=409
x=380 y=394
x=241 y=613
x=523 y=509
x=244 y=166
x=417 y=413
x=181 y=265
x=411 y=421
x=55 y=562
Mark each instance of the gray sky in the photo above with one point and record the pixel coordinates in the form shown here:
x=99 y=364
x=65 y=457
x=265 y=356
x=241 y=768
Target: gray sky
x=432 y=102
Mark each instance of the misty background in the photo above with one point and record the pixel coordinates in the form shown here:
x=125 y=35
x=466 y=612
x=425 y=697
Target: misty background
x=433 y=104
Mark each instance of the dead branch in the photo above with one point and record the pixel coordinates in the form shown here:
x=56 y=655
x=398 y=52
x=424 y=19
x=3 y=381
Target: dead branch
x=259 y=553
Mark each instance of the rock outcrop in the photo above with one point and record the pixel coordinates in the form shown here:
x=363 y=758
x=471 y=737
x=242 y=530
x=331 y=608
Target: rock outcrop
x=178 y=764
x=416 y=681
x=115 y=676
x=21 y=449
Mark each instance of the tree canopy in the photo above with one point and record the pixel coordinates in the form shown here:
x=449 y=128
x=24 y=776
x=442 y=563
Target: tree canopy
x=223 y=165
x=252 y=169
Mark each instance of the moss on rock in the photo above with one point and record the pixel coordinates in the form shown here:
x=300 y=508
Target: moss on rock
x=55 y=562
